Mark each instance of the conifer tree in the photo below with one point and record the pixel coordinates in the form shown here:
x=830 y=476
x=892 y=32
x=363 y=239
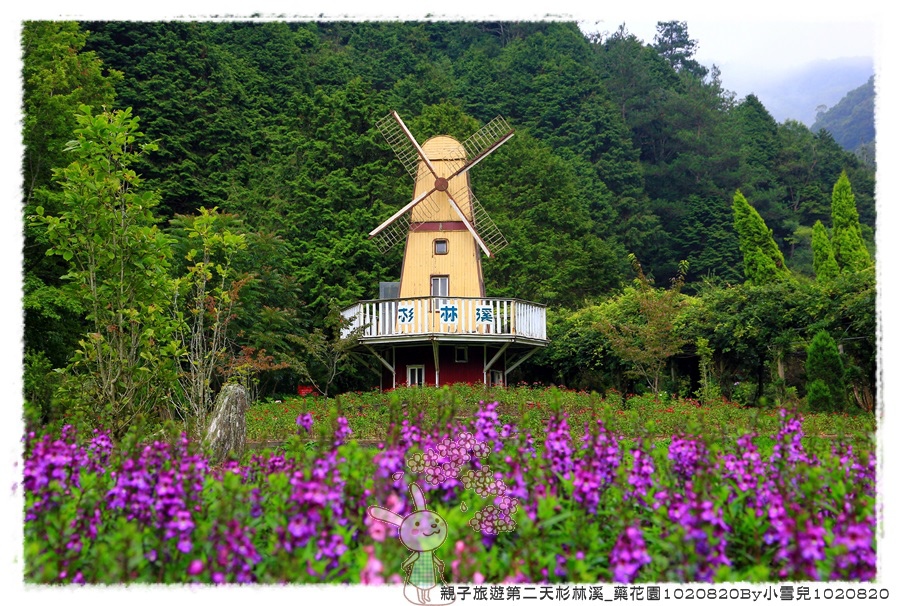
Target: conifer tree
x=824 y=374
x=849 y=249
x=763 y=261
x=824 y=265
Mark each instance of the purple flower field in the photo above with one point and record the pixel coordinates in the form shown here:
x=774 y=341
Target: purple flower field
x=579 y=504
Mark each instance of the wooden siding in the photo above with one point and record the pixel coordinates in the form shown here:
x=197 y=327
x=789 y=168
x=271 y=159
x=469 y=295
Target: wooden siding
x=434 y=218
x=462 y=264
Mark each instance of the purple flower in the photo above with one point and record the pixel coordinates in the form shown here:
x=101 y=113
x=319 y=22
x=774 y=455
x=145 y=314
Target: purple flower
x=702 y=527
x=597 y=467
x=305 y=421
x=641 y=477
x=745 y=467
x=342 y=432
x=789 y=441
x=687 y=456
x=557 y=449
x=856 y=559
x=486 y=422
x=195 y=567
x=628 y=555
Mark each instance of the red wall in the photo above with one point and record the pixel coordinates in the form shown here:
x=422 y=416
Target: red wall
x=451 y=371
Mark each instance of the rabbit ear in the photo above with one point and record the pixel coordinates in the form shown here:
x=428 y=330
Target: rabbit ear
x=418 y=497
x=385 y=515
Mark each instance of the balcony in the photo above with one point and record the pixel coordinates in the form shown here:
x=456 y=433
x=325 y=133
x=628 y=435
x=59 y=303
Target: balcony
x=457 y=319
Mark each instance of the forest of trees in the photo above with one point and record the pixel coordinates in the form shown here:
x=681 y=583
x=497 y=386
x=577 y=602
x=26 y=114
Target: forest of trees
x=246 y=159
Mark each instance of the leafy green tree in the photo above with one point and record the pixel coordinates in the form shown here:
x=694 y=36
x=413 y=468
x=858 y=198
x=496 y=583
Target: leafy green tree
x=578 y=354
x=204 y=301
x=58 y=75
x=632 y=73
x=118 y=271
x=763 y=261
x=849 y=249
x=852 y=315
x=800 y=158
x=825 y=374
x=752 y=327
x=191 y=95
x=709 y=390
x=825 y=266
x=325 y=352
x=649 y=338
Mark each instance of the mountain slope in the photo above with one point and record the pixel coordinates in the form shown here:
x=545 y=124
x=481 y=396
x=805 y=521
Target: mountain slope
x=852 y=120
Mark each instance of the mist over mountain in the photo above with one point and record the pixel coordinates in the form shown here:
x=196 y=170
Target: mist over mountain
x=852 y=121
x=799 y=93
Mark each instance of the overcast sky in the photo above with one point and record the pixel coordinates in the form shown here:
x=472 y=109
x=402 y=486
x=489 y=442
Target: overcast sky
x=754 y=53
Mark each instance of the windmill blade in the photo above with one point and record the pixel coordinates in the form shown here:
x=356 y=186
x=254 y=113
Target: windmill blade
x=400 y=212
x=485 y=140
x=392 y=234
x=397 y=226
x=487 y=229
x=480 y=145
x=468 y=225
x=405 y=146
x=488 y=232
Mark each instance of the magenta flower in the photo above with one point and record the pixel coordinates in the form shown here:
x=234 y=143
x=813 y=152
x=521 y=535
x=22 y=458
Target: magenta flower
x=628 y=555
x=305 y=421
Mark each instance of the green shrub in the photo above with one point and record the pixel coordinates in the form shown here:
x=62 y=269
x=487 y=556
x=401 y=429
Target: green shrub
x=818 y=396
x=824 y=366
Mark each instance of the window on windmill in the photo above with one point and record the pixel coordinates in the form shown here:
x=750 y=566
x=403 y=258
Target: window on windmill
x=440 y=286
x=462 y=354
x=440 y=247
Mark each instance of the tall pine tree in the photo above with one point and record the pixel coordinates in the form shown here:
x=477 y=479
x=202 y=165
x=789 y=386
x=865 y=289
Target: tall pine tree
x=763 y=261
x=849 y=249
x=824 y=265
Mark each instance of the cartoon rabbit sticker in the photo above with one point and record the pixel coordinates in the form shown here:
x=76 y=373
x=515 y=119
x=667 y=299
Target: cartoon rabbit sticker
x=422 y=531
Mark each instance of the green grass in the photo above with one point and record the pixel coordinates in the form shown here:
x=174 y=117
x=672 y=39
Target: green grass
x=370 y=413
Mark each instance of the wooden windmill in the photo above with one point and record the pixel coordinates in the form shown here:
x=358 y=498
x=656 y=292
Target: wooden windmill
x=445 y=227
x=438 y=326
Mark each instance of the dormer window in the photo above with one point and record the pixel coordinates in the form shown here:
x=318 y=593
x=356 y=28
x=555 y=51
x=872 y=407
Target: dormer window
x=440 y=247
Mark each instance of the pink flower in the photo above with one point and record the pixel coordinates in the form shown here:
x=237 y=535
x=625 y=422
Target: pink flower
x=377 y=529
x=371 y=572
x=478 y=578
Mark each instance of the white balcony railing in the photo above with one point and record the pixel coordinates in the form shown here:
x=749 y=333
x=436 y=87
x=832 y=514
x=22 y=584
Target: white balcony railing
x=460 y=316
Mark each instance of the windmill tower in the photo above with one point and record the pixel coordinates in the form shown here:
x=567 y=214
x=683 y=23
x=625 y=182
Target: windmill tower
x=438 y=318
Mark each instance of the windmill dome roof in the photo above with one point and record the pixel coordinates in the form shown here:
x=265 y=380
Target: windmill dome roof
x=444 y=147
